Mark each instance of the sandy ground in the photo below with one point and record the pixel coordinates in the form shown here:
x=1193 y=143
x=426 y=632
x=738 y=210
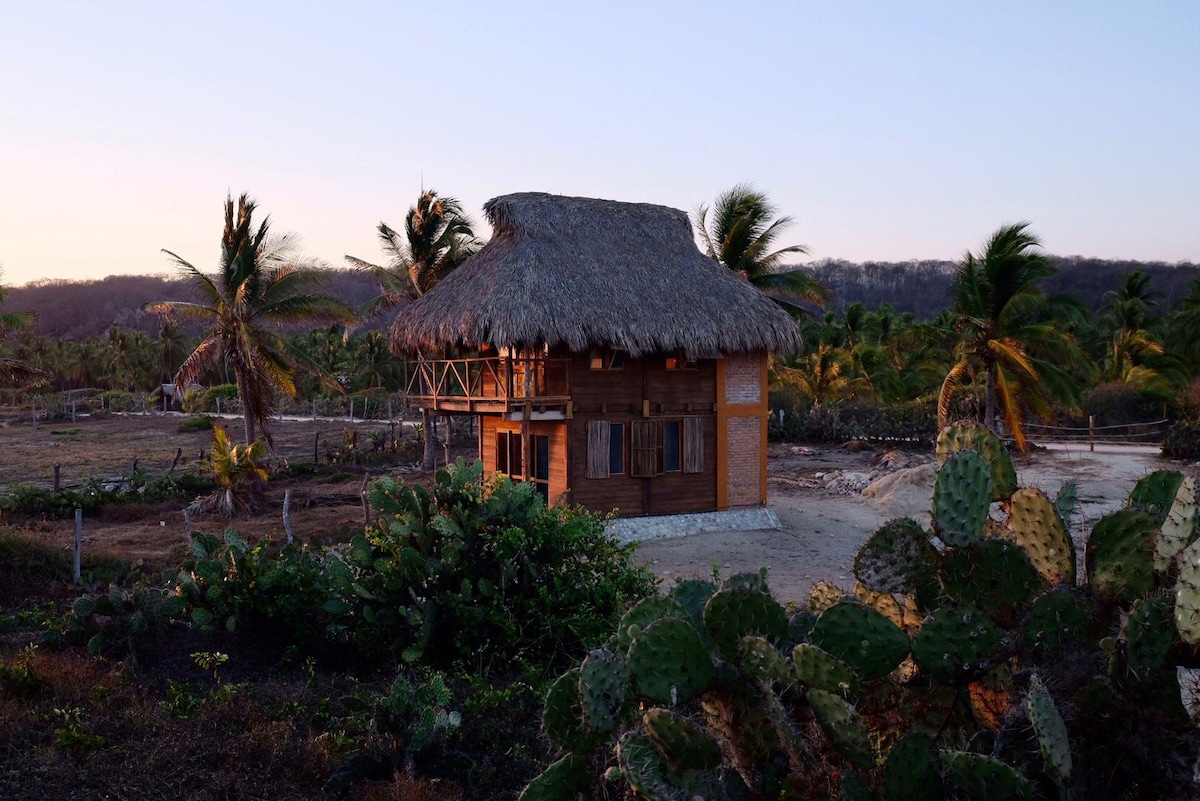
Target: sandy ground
x=829 y=501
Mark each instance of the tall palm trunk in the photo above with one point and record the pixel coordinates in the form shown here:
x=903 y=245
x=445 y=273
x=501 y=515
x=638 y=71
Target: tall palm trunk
x=243 y=387
x=989 y=408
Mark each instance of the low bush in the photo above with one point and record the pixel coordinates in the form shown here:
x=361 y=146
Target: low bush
x=912 y=423
x=1182 y=441
x=196 y=422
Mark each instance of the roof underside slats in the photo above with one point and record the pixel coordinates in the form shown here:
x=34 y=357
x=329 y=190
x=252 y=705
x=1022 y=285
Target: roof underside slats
x=582 y=272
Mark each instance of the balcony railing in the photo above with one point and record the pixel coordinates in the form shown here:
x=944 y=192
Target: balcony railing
x=490 y=385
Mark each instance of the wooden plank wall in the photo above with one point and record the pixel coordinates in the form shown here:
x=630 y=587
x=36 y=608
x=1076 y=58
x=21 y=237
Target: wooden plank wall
x=559 y=450
x=617 y=396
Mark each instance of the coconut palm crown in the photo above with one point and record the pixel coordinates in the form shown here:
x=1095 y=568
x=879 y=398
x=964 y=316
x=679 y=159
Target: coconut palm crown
x=260 y=283
x=12 y=371
x=741 y=234
x=1009 y=329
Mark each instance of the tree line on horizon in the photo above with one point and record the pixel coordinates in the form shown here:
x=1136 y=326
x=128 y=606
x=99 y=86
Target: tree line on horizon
x=994 y=323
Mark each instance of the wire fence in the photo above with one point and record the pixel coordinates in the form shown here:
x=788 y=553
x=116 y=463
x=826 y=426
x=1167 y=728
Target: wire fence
x=1151 y=432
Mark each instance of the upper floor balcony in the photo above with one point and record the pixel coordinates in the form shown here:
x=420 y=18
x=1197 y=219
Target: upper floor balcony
x=511 y=386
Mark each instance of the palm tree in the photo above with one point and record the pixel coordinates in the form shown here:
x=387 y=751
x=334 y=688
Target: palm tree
x=437 y=238
x=12 y=371
x=1007 y=329
x=259 y=283
x=740 y=235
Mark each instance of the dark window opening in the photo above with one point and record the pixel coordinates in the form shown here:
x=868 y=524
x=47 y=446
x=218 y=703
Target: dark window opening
x=616 y=449
x=672 y=453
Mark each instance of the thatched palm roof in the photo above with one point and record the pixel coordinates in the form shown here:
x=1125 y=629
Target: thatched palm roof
x=584 y=272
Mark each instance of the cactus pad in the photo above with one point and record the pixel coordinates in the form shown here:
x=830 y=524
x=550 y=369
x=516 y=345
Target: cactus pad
x=1050 y=729
x=669 y=663
x=1155 y=492
x=1057 y=621
x=1148 y=635
x=646 y=771
x=1187 y=595
x=562 y=715
x=1120 y=555
x=691 y=596
x=882 y=602
x=984 y=778
x=911 y=772
x=685 y=745
x=732 y=614
x=856 y=788
x=896 y=558
x=972 y=436
x=1065 y=502
x=956 y=642
x=842 y=725
x=1038 y=528
x=761 y=661
x=1179 y=527
x=822 y=670
x=800 y=626
x=870 y=644
x=993 y=575
x=991 y=696
x=602 y=681
x=565 y=780
x=824 y=595
x=641 y=615
x=962 y=494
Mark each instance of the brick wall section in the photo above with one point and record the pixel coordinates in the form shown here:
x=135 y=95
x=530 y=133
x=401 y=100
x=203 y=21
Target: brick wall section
x=743 y=378
x=744 y=460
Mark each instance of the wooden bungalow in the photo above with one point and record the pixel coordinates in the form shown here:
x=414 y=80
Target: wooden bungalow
x=610 y=362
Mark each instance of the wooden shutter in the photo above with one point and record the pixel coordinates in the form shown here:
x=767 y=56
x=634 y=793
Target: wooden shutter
x=597 y=448
x=643 y=447
x=693 y=444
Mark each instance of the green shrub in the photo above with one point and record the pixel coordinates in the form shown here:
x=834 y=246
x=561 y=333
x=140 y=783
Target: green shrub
x=196 y=422
x=1182 y=441
x=913 y=423
x=1117 y=404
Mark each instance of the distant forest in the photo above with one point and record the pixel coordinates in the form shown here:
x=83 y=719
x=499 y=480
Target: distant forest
x=923 y=287
x=76 y=310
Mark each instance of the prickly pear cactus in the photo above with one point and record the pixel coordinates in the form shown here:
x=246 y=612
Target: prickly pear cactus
x=1155 y=492
x=669 y=663
x=824 y=595
x=822 y=670
x=1187 y=595
x=994 y=575
x=1050 y=729
x=1178 y=527
x=1120 y=556
x=911 y=772
x=991 y=696
x=974 y=437
x=565 y=780
x=731 y=614
x=762 y=662
x=841 y=724
x=956 y=642
x=962 y=494
x=602 y=681
x=691 y=595
x=897 y=558
x=984 y=778
x=646 y=771
x=684 y=744
x=562 y=715
x=641 y=615
x=1059 y=620
x=1148 y=636
x=870 y=644
x=1036 y=525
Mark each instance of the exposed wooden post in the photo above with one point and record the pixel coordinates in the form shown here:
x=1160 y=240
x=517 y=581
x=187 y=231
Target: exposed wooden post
x=175 y=461
x=1092 y=433
x=57 y=477
x=77 y=571
x=287 y=508
x=316 y=440
x=526 y=449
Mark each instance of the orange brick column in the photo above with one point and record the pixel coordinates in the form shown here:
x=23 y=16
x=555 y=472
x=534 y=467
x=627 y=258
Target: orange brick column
x=742 y=430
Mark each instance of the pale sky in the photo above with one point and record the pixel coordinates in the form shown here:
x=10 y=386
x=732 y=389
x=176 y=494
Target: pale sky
x=888 y=130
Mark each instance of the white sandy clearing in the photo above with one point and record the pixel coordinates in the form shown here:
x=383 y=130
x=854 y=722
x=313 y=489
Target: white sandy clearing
x=823 y=528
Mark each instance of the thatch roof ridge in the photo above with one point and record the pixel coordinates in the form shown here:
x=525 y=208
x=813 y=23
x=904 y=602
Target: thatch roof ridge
x=584 y=272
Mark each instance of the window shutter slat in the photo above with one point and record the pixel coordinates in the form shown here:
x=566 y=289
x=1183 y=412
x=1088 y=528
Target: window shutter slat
x=693 y=444
x=597 y=448
x=644 y=448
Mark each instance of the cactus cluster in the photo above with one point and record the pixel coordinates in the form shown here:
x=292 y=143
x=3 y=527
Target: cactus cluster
x=969 y=661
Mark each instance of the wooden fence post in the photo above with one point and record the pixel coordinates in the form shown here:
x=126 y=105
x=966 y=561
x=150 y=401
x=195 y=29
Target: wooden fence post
x=363 y=494
x=78 y=564
x=1092 y=433
x=287 y=508
x=57 y=477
